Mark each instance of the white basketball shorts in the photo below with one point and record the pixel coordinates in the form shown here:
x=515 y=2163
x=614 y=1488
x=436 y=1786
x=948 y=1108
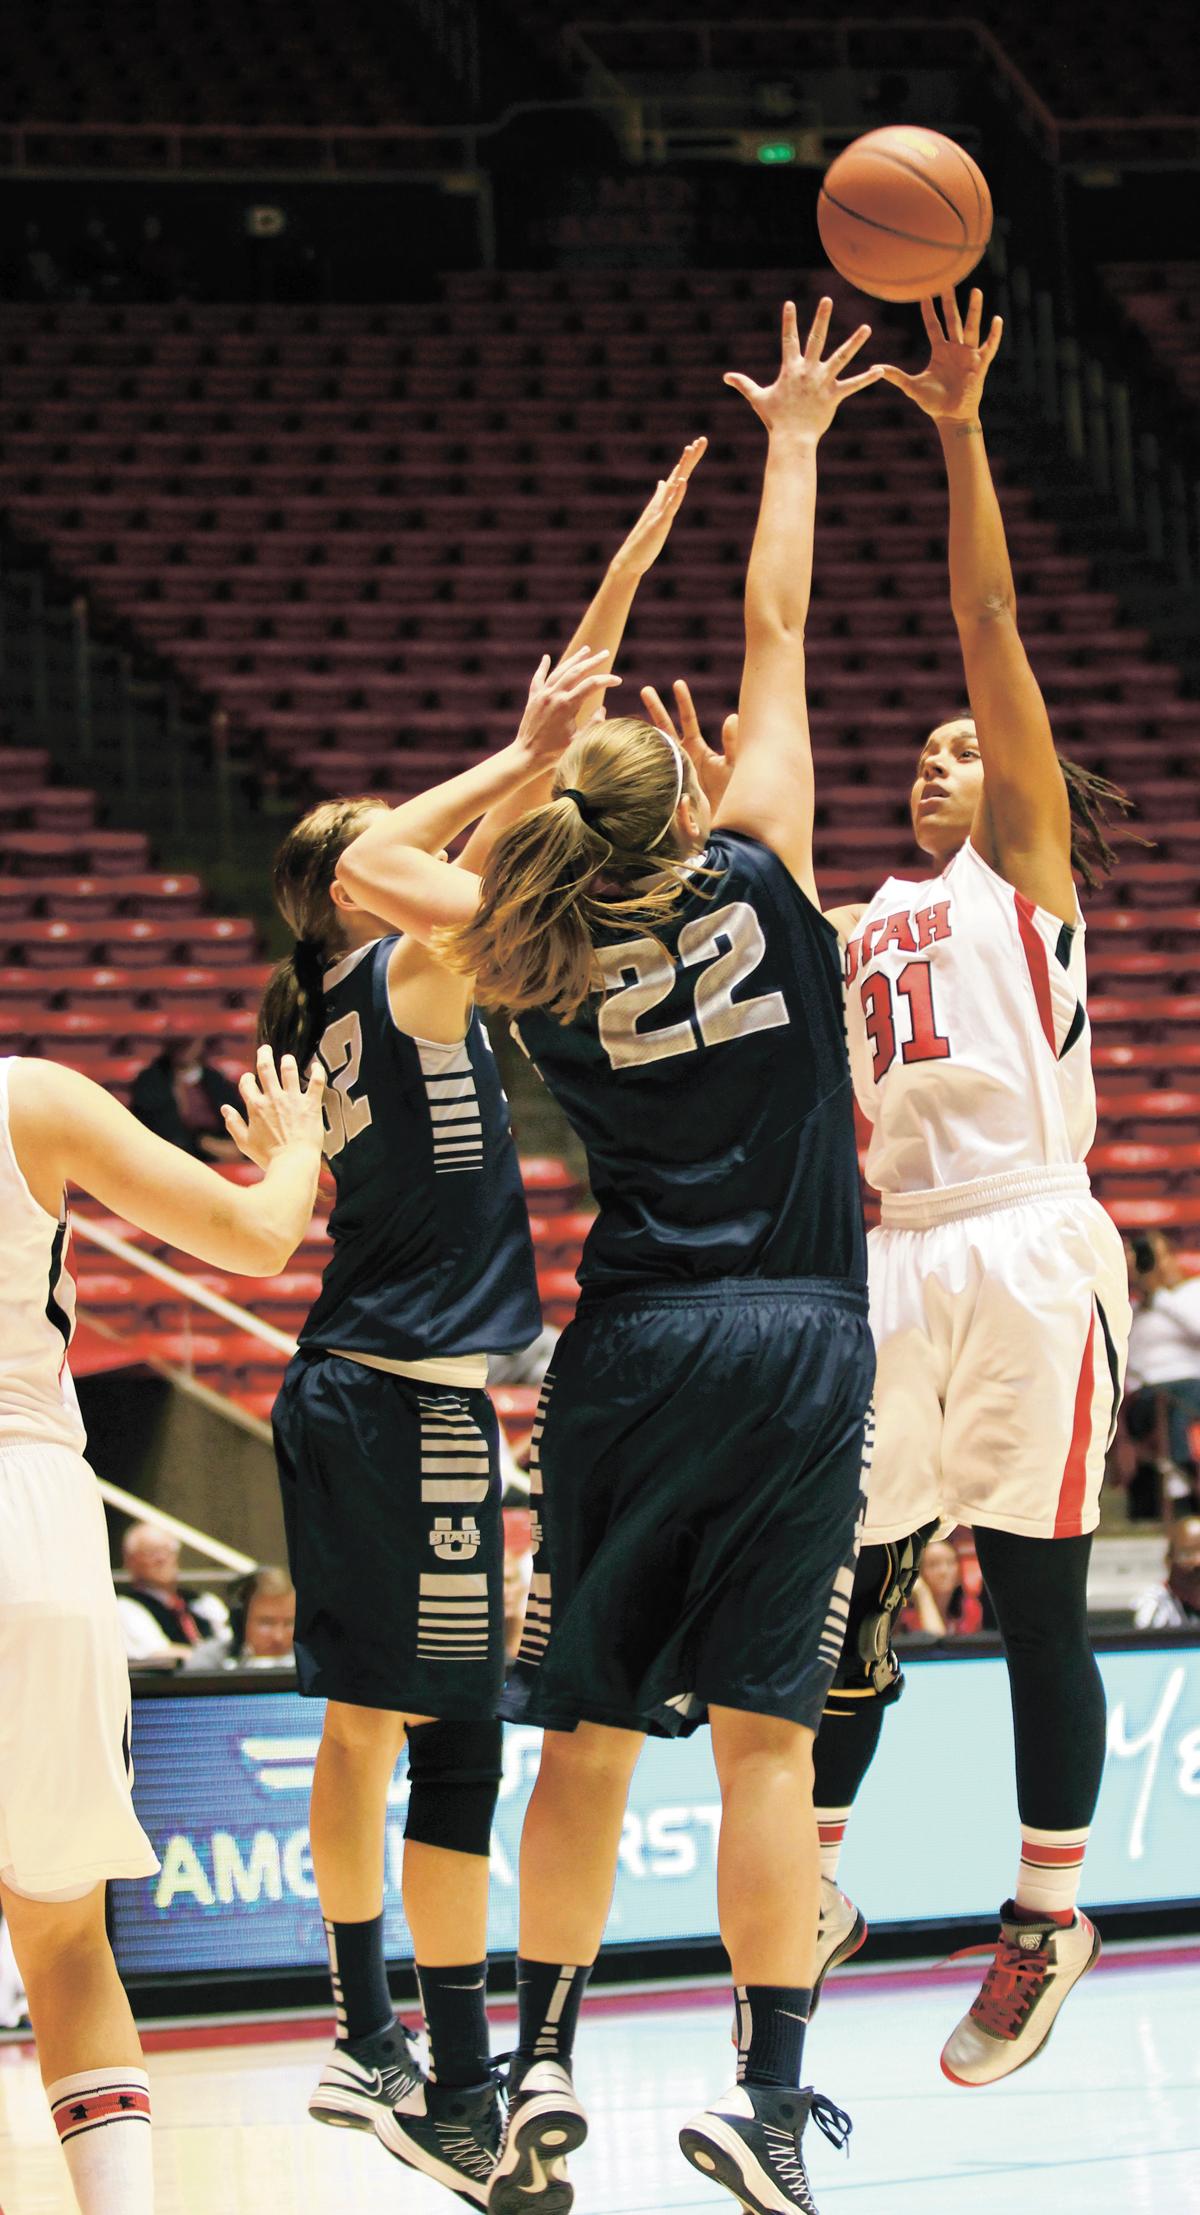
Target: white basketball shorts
x=66 y=1815
x=1001 y=1320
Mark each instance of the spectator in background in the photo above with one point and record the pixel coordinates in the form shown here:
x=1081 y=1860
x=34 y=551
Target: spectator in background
x=1164 y=1357
x=264 y=1620
x=945 y=1600
x=1175 y=1603
x=180 y=1095
x=158 y=1622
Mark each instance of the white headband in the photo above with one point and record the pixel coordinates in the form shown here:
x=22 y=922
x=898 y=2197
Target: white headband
x=677 y=750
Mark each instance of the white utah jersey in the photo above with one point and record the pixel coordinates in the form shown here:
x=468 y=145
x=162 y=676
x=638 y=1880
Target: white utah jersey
x=37 y=1309
x=966 y=1018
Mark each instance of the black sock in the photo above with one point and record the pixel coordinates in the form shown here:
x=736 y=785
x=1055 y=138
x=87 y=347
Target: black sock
x=455 y=2004
x=771 y=2020
x=359 y=1979
x=549 y=1996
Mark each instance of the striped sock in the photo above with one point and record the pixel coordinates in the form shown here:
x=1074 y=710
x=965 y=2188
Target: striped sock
x=1050 y=1872
x=831 y=1830
x=358 y=1976
x=102 y=2117
x=549 y=1997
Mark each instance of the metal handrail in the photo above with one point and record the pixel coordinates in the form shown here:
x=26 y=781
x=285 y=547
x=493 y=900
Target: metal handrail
x=186 y=1287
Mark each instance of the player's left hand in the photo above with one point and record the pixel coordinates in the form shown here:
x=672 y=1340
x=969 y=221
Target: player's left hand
x=951 y=388
x=713 y=769
x=279 y=1111
x=653 y=527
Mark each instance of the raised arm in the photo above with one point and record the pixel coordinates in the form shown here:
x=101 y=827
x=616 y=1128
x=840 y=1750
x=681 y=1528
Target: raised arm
x=397 y=869
x=601 y=628
x=770 y=789
x=1024 y=825
x=67 y=1130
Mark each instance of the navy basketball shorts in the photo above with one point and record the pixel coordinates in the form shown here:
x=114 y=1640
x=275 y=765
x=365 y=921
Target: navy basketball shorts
x=697 y=1477
x=391 y=1503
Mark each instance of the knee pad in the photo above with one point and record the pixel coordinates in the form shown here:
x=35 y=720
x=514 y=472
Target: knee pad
x=869 y=1668
x=454 y=1774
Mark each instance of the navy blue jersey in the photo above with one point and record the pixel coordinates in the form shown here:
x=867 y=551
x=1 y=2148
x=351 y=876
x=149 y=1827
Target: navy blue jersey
x=711 y=1088
x=431 y=1246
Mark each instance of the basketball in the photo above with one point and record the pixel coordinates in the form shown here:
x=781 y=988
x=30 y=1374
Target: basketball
x=904 y=213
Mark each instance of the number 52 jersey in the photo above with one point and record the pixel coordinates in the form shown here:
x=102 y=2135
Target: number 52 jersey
x=710 y=1086
x=967 y=1024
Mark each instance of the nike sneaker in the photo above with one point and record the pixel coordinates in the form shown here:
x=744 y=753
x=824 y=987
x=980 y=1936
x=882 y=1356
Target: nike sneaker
x=841 y=1932
x=545 y=2124
x=1034 y=1965
x=751 y=2143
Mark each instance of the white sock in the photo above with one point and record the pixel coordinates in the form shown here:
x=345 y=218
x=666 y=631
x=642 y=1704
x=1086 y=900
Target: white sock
x=1051 y=1869
x=831 y=1829
x=103 y=2121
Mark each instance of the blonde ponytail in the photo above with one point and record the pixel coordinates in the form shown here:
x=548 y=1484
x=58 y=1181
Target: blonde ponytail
x=604 y=850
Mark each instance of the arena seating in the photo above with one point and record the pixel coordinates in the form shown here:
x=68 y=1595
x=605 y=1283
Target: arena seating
x=1089 y=58
x=357 y=528
x=286 y=62
x=1162 y=299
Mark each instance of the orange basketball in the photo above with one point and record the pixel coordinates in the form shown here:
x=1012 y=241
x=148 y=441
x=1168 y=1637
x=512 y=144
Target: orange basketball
x=904 y=212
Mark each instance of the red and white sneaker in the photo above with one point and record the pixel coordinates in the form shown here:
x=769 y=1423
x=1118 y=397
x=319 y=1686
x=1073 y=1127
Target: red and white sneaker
x=1034 y=1966
x=842 y=1930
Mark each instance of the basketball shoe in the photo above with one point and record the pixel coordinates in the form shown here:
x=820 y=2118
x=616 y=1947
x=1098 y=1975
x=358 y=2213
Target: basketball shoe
x=448 y=2134
x=1034 y=1966
x=545 y=2124
x=840 y=1933
x=750 y=2141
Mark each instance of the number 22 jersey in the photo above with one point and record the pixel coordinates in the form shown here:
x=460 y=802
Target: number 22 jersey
x=710 y=1087
x=967 y=1024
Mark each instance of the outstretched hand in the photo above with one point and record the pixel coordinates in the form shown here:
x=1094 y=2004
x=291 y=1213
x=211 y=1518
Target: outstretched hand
x=808 y=391
x=280 y=1111
x=549 y=722
x=653 y=527
x=951 y=388
x=713 y=770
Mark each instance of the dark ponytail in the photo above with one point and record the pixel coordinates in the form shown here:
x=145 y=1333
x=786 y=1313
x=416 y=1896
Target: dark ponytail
x=1097 y=807
x=292 y=1015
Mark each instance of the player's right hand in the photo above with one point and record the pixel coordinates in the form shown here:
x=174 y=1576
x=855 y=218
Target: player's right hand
x=279 y=1110
x=807 y=392
x=653 y=527
x=548 y=724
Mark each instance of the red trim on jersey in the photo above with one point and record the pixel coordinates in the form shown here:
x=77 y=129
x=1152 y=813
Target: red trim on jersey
x=1068 y=1523
x=1038 y=962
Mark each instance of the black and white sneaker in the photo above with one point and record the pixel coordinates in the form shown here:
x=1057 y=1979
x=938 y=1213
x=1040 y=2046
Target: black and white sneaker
x=449 y=2134
x=749 y=2141
x=545 y=2124
x=360 y=2081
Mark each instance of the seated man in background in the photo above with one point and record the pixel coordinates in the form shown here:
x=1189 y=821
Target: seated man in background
x=159 y=1623
x=1175 y=1603
x=180 y=1095
x=264 y=1621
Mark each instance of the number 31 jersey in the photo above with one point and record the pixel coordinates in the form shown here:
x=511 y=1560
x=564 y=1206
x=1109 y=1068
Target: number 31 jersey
x=967 y=1023
x=711 y=1089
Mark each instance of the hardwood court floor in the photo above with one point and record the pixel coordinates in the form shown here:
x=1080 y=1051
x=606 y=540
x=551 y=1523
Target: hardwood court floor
x=1106 y=2123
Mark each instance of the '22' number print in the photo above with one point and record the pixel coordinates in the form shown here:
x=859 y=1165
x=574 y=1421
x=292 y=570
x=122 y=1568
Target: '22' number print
x=341 y=1051
x=914 y=984
x=727 y=947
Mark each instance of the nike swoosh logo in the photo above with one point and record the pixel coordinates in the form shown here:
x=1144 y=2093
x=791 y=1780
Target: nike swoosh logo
x=464 y=1987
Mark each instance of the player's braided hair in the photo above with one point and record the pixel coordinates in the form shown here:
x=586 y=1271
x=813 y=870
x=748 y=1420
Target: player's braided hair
x=603 y=851
x=1097 y=808
x=292 y=1015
